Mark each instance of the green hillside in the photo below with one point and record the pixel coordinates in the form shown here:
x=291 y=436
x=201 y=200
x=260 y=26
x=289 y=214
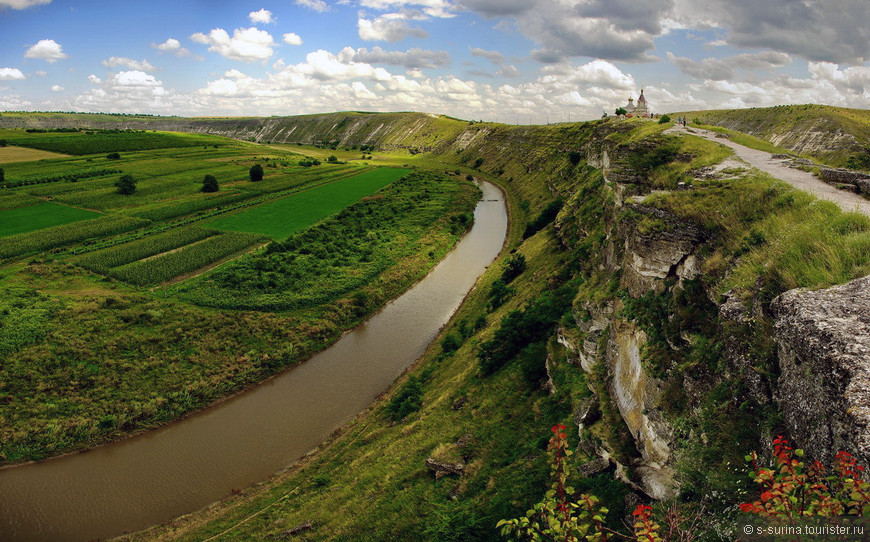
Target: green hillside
x=835 y=135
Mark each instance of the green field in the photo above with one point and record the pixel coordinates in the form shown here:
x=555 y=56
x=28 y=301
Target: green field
x=39 y=216
x=104 y=141
x=283 y=217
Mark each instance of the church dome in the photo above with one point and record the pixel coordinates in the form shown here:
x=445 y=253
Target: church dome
x=641 y=98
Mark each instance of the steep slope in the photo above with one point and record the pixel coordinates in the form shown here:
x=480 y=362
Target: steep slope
x=836 y=135
x=641 y=316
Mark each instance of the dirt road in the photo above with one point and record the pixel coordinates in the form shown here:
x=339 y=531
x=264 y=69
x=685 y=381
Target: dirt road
x=777 y=168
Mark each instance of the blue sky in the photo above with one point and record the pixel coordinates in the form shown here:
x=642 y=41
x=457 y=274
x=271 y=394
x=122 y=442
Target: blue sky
x=502 y=60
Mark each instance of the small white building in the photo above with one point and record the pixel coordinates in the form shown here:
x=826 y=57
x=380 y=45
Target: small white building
x=639 y=110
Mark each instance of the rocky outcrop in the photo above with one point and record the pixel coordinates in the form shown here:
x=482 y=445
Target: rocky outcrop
x=824 y=358
x=658 y=246
x=846 y=177
x=637 y=396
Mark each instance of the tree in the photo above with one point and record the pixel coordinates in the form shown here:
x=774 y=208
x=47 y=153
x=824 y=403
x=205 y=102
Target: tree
x=620 y=111
x=2 y=175
x=126 y=184
x=665 y=119
x=332 y=158
x=256 y=173
x=209 y=183
x=113 y=156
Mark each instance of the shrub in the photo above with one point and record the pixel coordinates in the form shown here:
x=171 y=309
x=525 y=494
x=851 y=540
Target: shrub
x=113 y=156
x=665 y=119
x=332 y=158
x=450 y=343
x=499 y=292
x=515 y=266
x=478 y=163
x=126 y=184
x=574 y=157
x=2 y=175
x=210 y=184
x=791 y=489
x=408 y=399
x=547 y=215
x=256 y=173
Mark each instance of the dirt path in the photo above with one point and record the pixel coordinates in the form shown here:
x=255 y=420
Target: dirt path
x=778 y=169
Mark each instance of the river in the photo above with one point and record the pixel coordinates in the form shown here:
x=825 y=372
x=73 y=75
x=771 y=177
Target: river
x=188 y=464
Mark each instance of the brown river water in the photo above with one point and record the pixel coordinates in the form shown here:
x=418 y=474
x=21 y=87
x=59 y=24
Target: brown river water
x=129 y=485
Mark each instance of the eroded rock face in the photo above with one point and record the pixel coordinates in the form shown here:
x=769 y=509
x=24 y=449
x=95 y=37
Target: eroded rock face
x=824 y=357
x=653 y=256
x=637 y=396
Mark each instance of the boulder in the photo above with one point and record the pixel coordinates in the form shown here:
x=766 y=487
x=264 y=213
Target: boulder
x=823 y=390
x=444 y=468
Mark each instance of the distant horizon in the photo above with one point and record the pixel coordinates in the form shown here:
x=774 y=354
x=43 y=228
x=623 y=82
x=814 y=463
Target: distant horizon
x=207 y=116
x=492 y=60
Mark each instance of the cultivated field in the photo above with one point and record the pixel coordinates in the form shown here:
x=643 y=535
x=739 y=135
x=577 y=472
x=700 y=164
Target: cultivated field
x=106 y=298
x=11 y=153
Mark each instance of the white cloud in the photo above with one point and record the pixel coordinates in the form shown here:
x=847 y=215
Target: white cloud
x=493 y=56
x=292 y=38
x=134 y=79
x=264 y=16
x=48 y=50
x=388 y=28
x=22 y=4
x=508 y=71
x=411 y=59
x=432 y=8
x=116 y=61
x=317 y=5
x=719 y=69
x=41 y=73
x=246 y=45
x=10 y=74
x=235 y=74
x=173 y=46
x=57 y=88
x=94 y=79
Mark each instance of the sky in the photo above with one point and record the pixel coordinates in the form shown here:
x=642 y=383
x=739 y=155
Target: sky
x=511 y=61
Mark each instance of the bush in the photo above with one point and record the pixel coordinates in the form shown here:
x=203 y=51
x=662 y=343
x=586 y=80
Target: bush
x=113 y=156
x=547 y=215
x=210 y=184
x=256 y=173
x=664 y=119
x=332 y=158
x=574 y=157
x=499 y=292
x=408 y=399
x=515 y=266
x=126 y=184
x=450 y=343
x=2 y=175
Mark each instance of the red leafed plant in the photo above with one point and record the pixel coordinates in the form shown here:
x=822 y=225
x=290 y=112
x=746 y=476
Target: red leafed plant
x=790 y=489
x=561 y=517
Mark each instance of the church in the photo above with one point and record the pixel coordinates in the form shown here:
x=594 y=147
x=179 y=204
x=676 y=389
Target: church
x=639 y=110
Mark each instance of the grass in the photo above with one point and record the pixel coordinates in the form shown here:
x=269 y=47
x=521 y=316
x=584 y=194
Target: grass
x=105 y=141
x=88 y=360
x=39 y=216
x=280 y=218
x=11 y=153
